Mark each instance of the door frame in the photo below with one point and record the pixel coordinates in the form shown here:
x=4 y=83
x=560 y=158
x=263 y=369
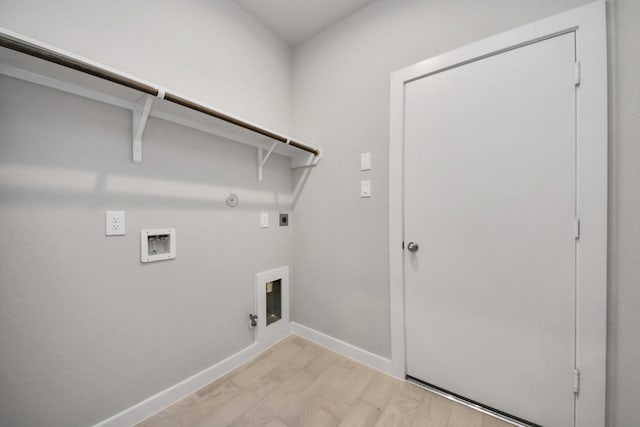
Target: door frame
x=589 y=25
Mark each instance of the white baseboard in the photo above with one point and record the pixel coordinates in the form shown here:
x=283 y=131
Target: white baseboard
x=363 y=356
x=165 y=398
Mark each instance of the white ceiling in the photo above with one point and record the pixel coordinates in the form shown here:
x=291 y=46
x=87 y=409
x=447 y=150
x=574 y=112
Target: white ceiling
x=294 y=21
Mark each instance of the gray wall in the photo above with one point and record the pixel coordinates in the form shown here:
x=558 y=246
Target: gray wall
x=624 y=211
x=86 y=330
x=211 y=50
x=341 y=100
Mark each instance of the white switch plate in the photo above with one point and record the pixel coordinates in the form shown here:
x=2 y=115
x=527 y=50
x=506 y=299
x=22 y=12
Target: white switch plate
x=264 y=219
x=365 y=161
x=115 y=223
x=365 y=188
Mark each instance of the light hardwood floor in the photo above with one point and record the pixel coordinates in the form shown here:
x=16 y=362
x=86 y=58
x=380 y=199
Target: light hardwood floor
x=299 y=383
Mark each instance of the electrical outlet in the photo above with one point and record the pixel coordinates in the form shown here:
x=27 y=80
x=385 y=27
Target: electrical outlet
x=115 y=224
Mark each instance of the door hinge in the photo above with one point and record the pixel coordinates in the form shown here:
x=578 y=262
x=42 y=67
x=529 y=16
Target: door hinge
x=577 y=74
x=576 y=228
x=576 y=381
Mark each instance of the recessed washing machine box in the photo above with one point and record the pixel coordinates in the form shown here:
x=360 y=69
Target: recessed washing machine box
x=158 y=244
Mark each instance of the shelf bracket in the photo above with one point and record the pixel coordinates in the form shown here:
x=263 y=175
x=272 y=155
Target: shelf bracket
x=262 y=160
x=140 y=115
x=306 y=160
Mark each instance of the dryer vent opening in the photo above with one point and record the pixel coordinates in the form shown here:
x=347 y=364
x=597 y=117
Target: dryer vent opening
x=272 y=305
x=273 y=291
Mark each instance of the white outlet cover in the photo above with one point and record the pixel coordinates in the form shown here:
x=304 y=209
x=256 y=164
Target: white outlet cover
x=365 y=161
x=365 y=188
x=264 y=219
x=115 y=223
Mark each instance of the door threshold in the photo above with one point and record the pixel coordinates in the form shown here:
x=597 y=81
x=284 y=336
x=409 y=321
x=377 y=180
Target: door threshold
x=518 y=422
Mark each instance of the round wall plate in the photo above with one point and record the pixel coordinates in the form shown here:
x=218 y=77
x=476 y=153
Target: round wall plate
x=232 y=200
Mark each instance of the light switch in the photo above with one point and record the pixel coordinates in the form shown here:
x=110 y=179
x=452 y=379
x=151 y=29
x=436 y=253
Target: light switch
x=264 y=219
x=365 y=188
x=365 y=161
x=115 y=224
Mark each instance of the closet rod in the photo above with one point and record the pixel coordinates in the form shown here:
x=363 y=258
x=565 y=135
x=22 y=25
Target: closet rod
x=78 y=65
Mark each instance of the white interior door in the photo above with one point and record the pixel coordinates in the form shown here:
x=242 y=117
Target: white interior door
x=490 y=185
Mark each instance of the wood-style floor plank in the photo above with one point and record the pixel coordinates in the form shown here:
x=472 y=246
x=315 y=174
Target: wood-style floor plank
x=287 y=368
x=422 y=418
x=489 y=421
x=276 y=422
x=239 y=404
x=463 y=416
x=411 y=390
x=320 y=363
x=434 y=411
x=361 y=415
x=380 y=390
x=255 y=372
x=399 y=412
x=298 y=383
x=342 y=398
x=182 y=415
x=306 y=403
x=322 y=418
x=272 y=405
